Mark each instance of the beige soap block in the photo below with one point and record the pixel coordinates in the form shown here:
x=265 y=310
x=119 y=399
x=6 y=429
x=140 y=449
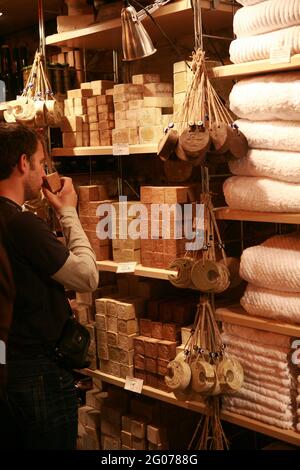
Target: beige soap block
x=68 y=23
x=138 y=428
x=122 y=106
x=182 y=80
x=68 y=106
x=119 y=97
x=125 y=341
x=120 y=115
x=120 y=123
x=129 y=135
x=109 y=92
x=105 y=108
x=104 y=99
x=179 y=98
x=105 y=125
x=181 y=66
x=150 y=135
x=156 y=435
x=158 y=89
x=128 y=88
x=103 y=337
x=127 y=327
x=85 y=139
x=143 y=78
x=80 y=102
x=102 y=350
x=102 y=84
x=101 y=322
x=85 y=85
x=149 y=117
x=112 y=324
x=80 y=110
x=126 y=357
x=158 y=102
x=114 y=368
x=166 y=119
x=94 y=138
x=139 y=444
x=91 y=110
x=92 y=101
x=112 y=339
x=93 y=126
x=126 y=371
x=78 y=93
x=113 y=353
x=93 y=118
x=126 y=438
x=136 y=104
x=106 y=116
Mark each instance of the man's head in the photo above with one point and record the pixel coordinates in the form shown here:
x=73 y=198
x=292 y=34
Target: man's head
x=22 y=157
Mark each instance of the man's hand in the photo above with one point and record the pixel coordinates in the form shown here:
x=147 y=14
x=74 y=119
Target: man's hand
x=66 y=197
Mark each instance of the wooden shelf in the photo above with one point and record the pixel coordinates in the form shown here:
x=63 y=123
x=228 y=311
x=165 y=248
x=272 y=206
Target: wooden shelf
x=255 y=68
x=105 y=150
x=225 y=213
x=176 y=19
x=237 y=316
x=154 y=273
x=168 y=397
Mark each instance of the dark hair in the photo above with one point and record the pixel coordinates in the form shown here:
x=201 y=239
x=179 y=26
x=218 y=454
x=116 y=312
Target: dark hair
x=15 y=140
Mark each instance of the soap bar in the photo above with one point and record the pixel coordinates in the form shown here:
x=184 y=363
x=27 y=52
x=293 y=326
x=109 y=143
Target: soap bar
x=52 y=182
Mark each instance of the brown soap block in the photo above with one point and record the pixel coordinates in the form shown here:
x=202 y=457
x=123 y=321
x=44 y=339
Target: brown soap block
x=114 y=354
x=126 y=357
x=161 y=384
x=126 y=342
x=138 y=428
x=146 y=258
x=167 y=350
x=139 y=361
x=110 y=443
x=158 y=89
x=139 y=345
x=156 y=435
x=140 y=374
x=114 y=368
x=158 y=245
x=151 y=379
x=126 y=423
x=102 y=336
x=118 y=97
x=104 y=99
x=112 y=324
x=146 y=245
x=157 y=330
x=102 y=351
x=89 y=193
x=126 y=371
x=110 y=429
x=151 y=347
x=139 y=444
x=126 y=439
x=158 y=102
x=153 y=309
x=165 y=311
x=143 y=78
x=80 y=93
x=128 y=88
x=158 y=194
x=162 y=366
x=150 y=365
x=121 y=106
x=52 y=182
x=101 y=322
x=109 y=92
x=127 y=327
x=171 y=331
x=145 y=327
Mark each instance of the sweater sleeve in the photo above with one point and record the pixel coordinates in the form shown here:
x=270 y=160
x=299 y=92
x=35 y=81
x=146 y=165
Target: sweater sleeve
x=79 y=272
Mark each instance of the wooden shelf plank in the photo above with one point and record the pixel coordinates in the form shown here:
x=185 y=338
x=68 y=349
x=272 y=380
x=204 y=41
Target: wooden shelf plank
x=225 y=213
x=237 y=315
x=255 y=68
x=154 y=273
x=176 y=18
x=168 y=397
x=104 y=150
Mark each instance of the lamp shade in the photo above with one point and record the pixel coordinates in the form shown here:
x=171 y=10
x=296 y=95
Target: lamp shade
x=136 y=41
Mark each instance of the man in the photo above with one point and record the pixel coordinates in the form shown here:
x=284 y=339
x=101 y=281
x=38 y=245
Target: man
x=40 y=395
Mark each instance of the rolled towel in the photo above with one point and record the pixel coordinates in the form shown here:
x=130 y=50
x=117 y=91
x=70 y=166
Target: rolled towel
x=253 y=368
x=258 y=337
x=261 y=194
x=262 y=302
x=266 y=17
x=259 y=359
x=274 y=164
x=271 y=135
x=257 y=397
x=259 y=47
x=280 y=394
x=275 y=264
x=267 y=97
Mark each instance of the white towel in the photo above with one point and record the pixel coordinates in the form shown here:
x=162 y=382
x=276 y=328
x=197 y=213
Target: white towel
x=258 y=358
x=267 y=97
x=258 y=337
x=262 y=302
x=264 y=410
x=265 y=17
x=277 y=353
x=259 y=47
x=261 y=364
x=287 y=424
x=282 y=395
x=264 y=400
x=252 y=367
x=275 y=264
x=271 y=135
x=274 y=164
x=250 y=2
x=261 y=194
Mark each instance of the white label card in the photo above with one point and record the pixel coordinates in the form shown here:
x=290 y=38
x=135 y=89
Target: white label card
x=126 y=267
x=280 y=55
x=120 y=149
x=133 y=384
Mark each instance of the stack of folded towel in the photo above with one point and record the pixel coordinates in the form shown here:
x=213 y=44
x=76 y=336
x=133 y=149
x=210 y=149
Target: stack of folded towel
x=270 y=386
x=272 y=271
x=262 y=25
x=268 y=178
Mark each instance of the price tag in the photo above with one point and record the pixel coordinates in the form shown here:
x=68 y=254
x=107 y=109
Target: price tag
x=280 y=55
x=133 y=385
x=120 y=149
x=126 y=267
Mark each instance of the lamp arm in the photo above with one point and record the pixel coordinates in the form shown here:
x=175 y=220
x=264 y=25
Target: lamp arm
x=150 y=8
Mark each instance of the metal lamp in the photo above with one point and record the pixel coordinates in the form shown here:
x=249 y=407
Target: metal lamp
x=136 y=42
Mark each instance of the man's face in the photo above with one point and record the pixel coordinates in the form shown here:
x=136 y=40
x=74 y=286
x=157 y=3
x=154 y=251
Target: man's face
x=34 y=177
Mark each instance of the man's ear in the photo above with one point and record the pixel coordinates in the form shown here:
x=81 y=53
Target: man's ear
x=23 y=163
